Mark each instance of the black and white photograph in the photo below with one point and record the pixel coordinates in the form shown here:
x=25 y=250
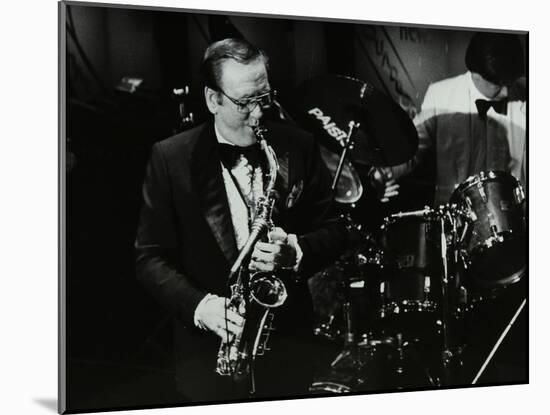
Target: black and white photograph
x=262 y=207
x=267 y=207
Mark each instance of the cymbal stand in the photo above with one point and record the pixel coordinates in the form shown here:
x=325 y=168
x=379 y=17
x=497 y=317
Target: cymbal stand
x=348 y=357
x=350 y=347
x=348 y=145
x=446 y=353
x=443 y=213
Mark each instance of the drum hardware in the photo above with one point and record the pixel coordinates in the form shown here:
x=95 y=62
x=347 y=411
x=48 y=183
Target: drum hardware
x=333 y=386
x=519 y=195
x=481 y=191
x=437 y=302
x=493 y=238
x=398 y=358
x=446 y=354
x=369 y=340
x=326 y=287
x=324 y=329
x=428 y=267
x=349 y=189
x=402 y=364
x=350 y=347
x=348 y=144
x=406 y=286
x=424 y=213
x=328 y=330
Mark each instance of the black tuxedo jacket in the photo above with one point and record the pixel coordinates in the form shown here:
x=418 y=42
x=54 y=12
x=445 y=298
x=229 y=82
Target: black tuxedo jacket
x=185 y=240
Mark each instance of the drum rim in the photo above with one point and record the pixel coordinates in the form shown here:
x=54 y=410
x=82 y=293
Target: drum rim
x=491 y=241
x=407 y=307
x=503 y=282
x=394 y=218
x=481 y=177
x=485 y=245
x=330 y=387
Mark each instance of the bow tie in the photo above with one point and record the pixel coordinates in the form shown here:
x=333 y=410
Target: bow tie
x=484 y=105
x=231 y=154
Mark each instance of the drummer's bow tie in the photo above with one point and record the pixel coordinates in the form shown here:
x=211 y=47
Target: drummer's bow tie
x=484 y=105
x=231 y=154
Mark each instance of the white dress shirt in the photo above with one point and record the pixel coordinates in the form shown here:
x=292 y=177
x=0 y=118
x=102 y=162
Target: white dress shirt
x=464 y=145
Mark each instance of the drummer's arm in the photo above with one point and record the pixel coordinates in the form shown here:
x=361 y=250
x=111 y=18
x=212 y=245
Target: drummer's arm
x=385 y=178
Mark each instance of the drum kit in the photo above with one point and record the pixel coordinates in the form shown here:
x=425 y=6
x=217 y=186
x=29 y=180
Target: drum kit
x=398 y=303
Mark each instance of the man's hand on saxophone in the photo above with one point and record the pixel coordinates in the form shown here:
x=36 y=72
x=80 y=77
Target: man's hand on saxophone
x=282 y=252
x=211 y=315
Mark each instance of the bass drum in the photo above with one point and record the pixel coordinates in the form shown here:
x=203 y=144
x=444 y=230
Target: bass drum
x=493 y=233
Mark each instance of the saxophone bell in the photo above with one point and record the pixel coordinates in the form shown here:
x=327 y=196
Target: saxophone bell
x=268 y=290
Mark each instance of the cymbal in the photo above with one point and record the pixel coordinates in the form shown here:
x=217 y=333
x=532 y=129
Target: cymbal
x=325 y=106
x=349 y=188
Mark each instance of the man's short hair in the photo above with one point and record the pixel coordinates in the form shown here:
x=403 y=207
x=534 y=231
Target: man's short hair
x=497 y=57
x=218 y=52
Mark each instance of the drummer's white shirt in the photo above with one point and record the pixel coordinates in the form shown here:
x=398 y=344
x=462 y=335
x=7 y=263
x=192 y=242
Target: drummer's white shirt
x=457 y=95
x=514 y=121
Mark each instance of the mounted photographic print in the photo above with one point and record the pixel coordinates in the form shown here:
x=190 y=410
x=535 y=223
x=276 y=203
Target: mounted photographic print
x=270 y=207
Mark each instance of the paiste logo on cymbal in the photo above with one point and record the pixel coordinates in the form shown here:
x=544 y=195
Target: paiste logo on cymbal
x=330 y=126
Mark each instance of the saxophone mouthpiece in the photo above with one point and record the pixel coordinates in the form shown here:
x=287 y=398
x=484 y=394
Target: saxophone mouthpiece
x=259 y=130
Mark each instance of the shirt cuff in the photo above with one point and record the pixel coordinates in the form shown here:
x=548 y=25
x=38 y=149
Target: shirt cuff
x=197 y=318
x=293 y=241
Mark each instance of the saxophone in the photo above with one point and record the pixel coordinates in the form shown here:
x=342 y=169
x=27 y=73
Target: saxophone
x=254 y=296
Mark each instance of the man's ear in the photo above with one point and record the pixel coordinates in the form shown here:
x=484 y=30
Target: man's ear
x=211 y=97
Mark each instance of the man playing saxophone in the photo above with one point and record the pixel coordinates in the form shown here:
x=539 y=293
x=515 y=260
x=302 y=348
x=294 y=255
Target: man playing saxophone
x=200 y=195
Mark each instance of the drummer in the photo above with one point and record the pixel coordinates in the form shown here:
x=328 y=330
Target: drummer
x=475 y=121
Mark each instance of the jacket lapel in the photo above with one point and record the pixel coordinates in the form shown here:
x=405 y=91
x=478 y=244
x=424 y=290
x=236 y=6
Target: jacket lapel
x=283 y=174
x=281 y=184
x=208 y=182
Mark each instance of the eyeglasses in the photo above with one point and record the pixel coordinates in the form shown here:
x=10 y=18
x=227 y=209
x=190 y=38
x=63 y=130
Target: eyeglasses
x=247 y=105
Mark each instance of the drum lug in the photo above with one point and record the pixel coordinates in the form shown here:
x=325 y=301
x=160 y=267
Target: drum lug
x=465 y=260
x=470 y=214
x=427 y=283
x=492 y=225
x=519 y=194
x=481 y=191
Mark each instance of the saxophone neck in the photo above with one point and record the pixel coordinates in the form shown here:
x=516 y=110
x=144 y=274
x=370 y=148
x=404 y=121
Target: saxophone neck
x=260 y=132
x=264 y=206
